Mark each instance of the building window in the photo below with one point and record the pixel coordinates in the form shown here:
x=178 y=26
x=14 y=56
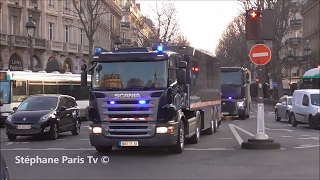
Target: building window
x=81 y=36
x=66 y=33
x=51 y=3
x=50 y=31
x=14 y=23
x=66 y=4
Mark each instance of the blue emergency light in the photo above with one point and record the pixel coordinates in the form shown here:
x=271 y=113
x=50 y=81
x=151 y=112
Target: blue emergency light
x=142 y=102
x=112 y=102
x=230 y=98
x=160 y=48
x=97 y=50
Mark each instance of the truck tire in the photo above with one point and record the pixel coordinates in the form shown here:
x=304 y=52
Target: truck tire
x=242 y=116
x=196 y=137
x=103 y=149
x=179 y=146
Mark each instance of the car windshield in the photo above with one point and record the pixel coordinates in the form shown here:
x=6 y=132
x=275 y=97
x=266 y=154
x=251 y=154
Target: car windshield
x=130 y=75
x=38 y=104
x=231 y=78
x=5 y=92
x=315 y=99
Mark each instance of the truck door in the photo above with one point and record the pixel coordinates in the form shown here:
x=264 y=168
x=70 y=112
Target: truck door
x=304 y=110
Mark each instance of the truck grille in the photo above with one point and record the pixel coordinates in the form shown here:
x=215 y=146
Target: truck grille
x=134 y=129
x=123 y=110
x=227 y=106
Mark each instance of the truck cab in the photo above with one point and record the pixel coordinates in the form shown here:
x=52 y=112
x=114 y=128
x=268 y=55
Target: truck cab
x=235 y=88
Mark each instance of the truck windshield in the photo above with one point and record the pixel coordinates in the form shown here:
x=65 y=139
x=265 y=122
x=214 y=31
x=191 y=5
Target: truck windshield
x=5 y=92
x=315 y=99
x=232 y=78
x=130 y=75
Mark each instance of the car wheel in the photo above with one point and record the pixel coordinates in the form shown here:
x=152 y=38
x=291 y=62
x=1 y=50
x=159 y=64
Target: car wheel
x=288 y=119
x=276 y=116
x=294 y=122
x=77 y=126
x=53 y=134
x=11 y=137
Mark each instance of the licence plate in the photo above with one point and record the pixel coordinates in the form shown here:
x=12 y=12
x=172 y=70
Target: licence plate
x=129 y=143
x=23 y=126
x=224 y=113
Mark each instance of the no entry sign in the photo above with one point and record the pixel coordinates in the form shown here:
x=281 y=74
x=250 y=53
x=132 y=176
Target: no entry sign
x=260 y=54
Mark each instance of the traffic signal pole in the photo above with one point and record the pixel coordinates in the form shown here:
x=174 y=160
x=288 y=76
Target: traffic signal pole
x=260 y=54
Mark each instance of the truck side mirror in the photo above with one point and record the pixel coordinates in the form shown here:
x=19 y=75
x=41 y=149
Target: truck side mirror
x=181 y=76
x=84 y=75
x=182 y=65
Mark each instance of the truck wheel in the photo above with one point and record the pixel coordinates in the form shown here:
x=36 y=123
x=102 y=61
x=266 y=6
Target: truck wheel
x=103 y=149
x=196 y=137
x=178 y=148
x=242 y=116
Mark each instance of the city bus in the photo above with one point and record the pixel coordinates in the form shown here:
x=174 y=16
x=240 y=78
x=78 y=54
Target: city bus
x=311 y=79
x=15 y=86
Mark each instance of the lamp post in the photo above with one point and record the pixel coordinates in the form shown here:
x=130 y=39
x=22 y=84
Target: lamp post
x=31 y=27
x=307 y=49
x=290 y=59
x=118 y=42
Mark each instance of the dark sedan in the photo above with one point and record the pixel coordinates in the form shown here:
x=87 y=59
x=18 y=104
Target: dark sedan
x=44 y=115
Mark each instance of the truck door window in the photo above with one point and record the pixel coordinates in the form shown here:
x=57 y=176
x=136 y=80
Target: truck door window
x=305 y=100
x=172 y=71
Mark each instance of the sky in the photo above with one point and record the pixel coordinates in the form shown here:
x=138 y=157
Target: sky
x=202 y=22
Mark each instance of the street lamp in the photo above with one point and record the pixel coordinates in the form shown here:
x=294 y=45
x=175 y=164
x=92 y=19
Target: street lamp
x=290 y=58
x=307 y=49
x=31 y=27
x=118 y=42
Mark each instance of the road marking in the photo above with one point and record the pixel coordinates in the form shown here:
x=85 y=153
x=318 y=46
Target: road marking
x=84 y=139
x=247 y=132
x=9 y=143
x=235 y=133
x=286 y=136
x=307 y=146
x=25 y=142
x=93 y=149
x=278 y=129
x=262 y=54
x=85 y=126
x=312 y=138
x=236 y=120
x=305 y=135
x=224 y=138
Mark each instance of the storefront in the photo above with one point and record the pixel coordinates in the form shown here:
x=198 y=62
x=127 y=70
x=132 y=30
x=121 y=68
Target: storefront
x=67 y=66
x=54 y=65
x=15 y=63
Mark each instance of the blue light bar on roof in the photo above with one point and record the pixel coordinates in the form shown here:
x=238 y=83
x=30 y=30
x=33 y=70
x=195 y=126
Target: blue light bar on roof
x=97 y=50
x=230 y=98
x=160 y=48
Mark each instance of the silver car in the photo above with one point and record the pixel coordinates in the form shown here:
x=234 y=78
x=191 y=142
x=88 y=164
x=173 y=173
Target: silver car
x=283 y=109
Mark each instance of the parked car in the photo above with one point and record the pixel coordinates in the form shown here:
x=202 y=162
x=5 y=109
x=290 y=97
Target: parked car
x=44 y=115
x=283 y=109
x=4 y=173
x=306 y=107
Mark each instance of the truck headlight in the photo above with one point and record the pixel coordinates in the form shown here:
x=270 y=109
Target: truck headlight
x=240 y=104
x=95 y=130
x=45 y=118
x=164 y=130
x=5 y=114
x=9 y=119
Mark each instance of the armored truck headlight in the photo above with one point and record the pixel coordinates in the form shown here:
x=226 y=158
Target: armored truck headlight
x=164 y=130
x=95 y=130
x=240 y=104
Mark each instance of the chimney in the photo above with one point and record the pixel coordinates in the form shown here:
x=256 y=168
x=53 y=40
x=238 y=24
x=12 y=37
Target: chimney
x=138 y=6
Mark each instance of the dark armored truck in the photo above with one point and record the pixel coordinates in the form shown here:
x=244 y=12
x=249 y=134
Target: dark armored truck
x=235 y=88
x=152 y=97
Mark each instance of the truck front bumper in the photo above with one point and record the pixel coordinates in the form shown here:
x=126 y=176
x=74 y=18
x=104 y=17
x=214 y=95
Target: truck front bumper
x=234 y=113
x=105 y=138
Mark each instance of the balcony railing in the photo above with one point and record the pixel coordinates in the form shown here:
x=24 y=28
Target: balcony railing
x=70 y=47
x=125 y=24
x=295 y=23
x=83 y=49
x=54 y=45
x=39 y=43
x=295 y=41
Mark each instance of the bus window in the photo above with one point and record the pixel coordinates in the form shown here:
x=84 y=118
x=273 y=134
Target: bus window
x=35 y=89
x=64 y=89
x=50 y=89
x=20 y=92
x=80 y=92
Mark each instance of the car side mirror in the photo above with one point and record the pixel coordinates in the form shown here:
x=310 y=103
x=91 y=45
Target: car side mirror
x=15 y=108
x=63 y=108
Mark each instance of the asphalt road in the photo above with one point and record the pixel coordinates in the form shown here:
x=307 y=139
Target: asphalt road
x=218 y=156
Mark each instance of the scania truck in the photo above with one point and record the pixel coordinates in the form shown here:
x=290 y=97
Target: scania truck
x=235 y=87
x=152 y=97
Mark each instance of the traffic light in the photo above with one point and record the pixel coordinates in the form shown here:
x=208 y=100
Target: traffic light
x=253 y=24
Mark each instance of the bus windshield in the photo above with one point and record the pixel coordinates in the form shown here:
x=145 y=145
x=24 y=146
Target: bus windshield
x=130 y=75
x=5 y=92
x=232 y=78
x=315 y=99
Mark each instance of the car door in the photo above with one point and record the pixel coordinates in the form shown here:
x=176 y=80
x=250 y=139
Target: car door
x=283 y=107
x=62 y=114
x=305 y=108
x=72 y=107
x=298 y=109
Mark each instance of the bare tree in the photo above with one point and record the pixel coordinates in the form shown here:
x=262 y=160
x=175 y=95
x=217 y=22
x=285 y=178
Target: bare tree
x=91 y=15
x=166 y=23
x=283 y=13
x=140 y=30
x=180 y=40
x=232 y=47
